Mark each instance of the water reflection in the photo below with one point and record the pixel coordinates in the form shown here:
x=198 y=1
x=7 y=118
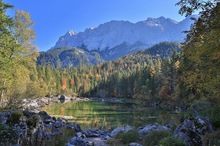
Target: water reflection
x=110 y=114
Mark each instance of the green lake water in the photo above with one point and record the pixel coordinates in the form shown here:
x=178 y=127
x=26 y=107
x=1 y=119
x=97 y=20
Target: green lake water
x=109 y=114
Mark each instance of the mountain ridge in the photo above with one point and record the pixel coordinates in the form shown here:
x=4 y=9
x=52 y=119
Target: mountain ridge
x=116 y=32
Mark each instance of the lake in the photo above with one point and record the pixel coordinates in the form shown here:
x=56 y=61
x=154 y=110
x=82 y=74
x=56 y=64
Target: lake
x=111 y=113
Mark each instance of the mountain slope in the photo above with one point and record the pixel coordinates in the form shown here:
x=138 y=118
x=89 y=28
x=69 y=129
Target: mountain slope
x=71 y=57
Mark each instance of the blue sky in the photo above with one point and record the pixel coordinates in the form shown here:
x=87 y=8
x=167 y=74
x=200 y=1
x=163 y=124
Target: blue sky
x=53 y=18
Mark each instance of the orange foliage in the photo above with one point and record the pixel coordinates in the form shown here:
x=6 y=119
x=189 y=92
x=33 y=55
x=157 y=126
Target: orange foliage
x=98 y=76
x=63 y=84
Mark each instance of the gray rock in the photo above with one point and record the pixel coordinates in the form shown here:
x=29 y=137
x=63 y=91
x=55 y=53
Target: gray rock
x=30 y=104
x=62 y=120
x=58 y=124
x=119 y=130
x=92 y=133
x=134 y=144
x=76 y=141
x=79 y=134
x=192 y=129
x=149 y=128
x=75 y=126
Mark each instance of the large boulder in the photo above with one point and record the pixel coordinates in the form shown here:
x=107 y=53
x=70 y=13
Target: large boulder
x=192 y=129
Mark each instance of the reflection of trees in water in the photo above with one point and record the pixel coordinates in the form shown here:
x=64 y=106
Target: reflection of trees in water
x=103 y=115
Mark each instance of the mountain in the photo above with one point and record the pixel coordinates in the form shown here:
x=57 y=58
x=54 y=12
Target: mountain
x=72 y=57
x=115 y=34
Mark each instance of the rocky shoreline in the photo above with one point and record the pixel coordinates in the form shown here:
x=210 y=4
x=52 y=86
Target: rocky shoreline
x=31 y=126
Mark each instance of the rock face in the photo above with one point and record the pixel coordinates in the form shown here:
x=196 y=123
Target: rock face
x=192 y=129
x=30 y=128
x=115 y=33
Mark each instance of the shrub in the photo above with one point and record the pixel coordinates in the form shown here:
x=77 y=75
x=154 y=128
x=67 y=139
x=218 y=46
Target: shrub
x=212 y=138
x=154 y=137
x=206 y=110
x=138 y=123
x=171 y=141
x=15 y=117
x=128 y=137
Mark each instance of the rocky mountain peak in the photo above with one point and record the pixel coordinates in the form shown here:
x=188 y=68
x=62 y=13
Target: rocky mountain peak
x=114 y=33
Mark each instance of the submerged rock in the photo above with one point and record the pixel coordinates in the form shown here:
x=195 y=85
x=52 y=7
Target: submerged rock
x=192 y=129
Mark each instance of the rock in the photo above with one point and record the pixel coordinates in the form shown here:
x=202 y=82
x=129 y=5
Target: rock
x=42 y=102
x=43 y=114
x=28 y=113
x=92 y=133
x=33 y=120
x=30 y=128
x=149 y=128
x=62 y=120
x=21 y=129
x=80 y=134
x=119 y=130
x=58 y=124
x=76 y=141
x=62 y=97
x=4 y=117
x=31 y=104
x=192 y=129
x=75 y=126
x=134 y=144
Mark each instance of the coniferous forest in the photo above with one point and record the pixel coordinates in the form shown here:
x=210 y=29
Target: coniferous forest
x=185 y=74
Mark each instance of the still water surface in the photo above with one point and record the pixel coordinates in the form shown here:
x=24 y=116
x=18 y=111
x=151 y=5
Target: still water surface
x=108 y=114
